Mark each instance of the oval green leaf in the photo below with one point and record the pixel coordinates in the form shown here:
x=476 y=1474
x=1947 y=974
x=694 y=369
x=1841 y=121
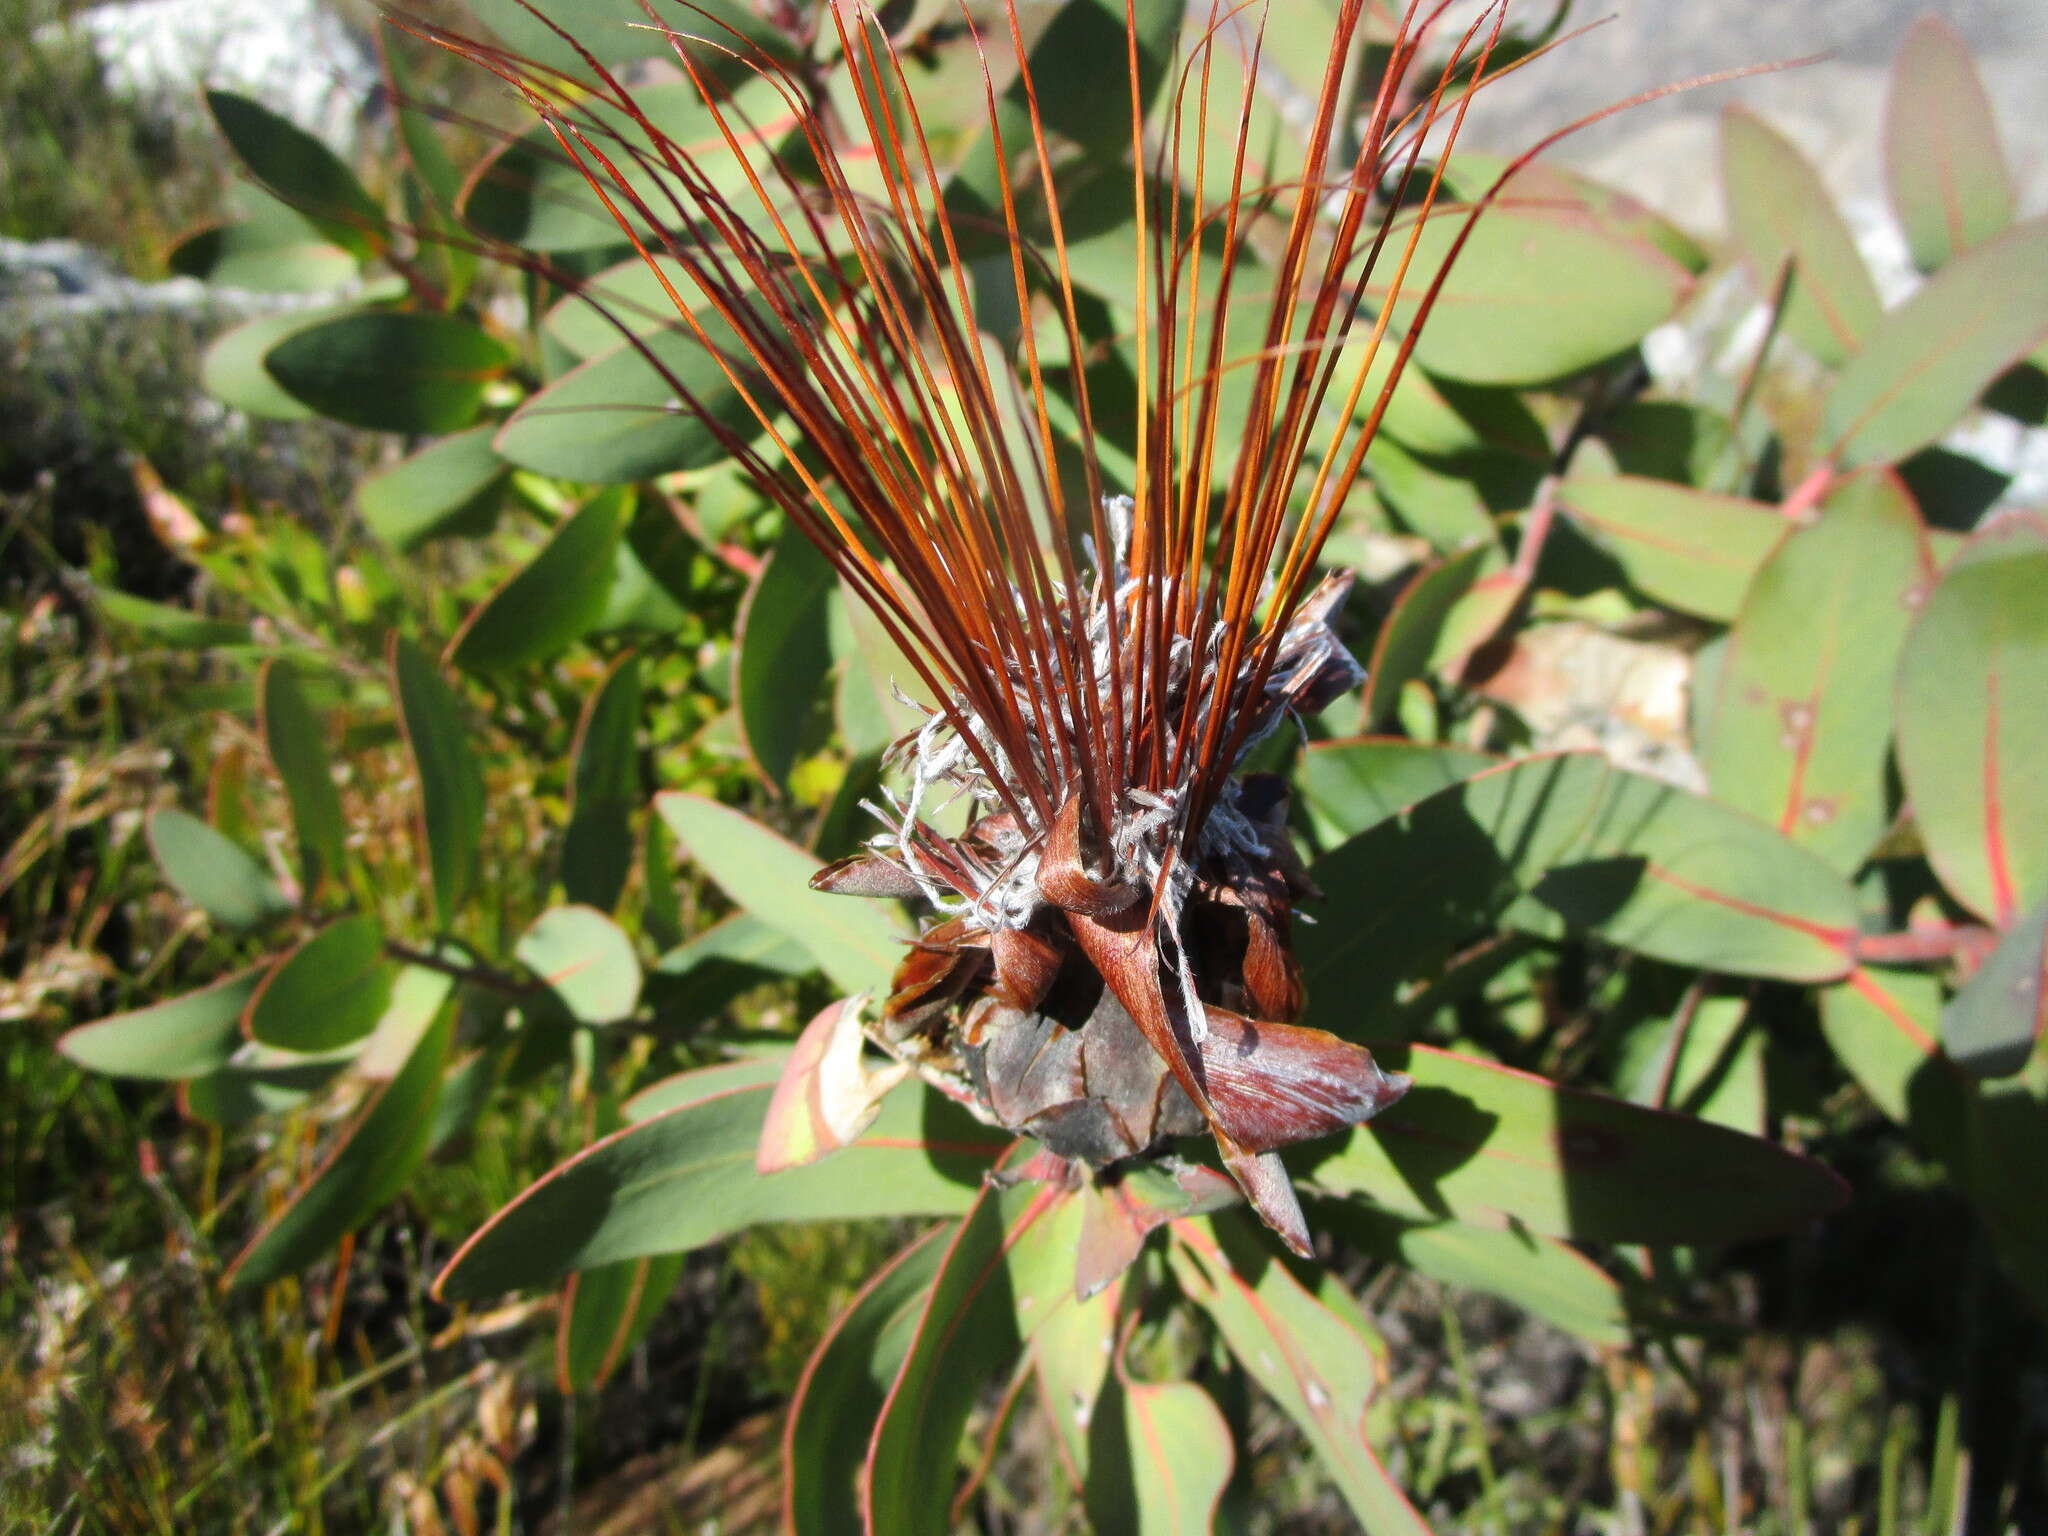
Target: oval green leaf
x=1690 y=550
x=450 y=485
x=215 y=874
x=1927 y=362
x=293 y=737
x=1350 y=786
x=782 y=653
x=1802 y=718
x=391 y=370
x=1484 y=1144
x=856 y=942
x=1990 y=1026
x=1948 y=182
x=182 y=1037
x=684 y=1176
x=326 y=993
x=552 y=600
x=451 y=783
x=1973 y=719
x=605 y=1312
x=300 y=172
x=586 y=960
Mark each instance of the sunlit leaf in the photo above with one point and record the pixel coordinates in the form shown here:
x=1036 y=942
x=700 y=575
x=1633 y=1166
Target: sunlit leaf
x=1688 y=549
x=279 y=254
x=1948 y=182
x=1413 y=638
x=1483 y=1144
x=1315 y=1364
x=1355 y=784
x=1803 y=719
x=1973 y=719
x=1927 y=362
x=1000 y=1272
x=684 y=1177
x=854 y=941
x=1780 y=212
x=216 y=875
x=586 y=960
x=1884 y=1026
x=181 y=1037
x=1177 y=1457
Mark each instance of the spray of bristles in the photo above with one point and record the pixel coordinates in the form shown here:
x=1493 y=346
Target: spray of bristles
x=1109 y=966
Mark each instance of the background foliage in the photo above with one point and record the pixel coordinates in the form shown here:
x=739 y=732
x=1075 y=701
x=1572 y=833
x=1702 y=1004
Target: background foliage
x=366 y=861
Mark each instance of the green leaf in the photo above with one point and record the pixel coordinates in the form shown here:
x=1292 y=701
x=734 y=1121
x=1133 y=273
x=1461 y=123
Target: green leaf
x=684 y=1176
x=1949 y=184
x=605 y=1312
x=1445 y=505
x=872 y=671
x=1537 y=293
x=366 y=1167
x=1927 y=362
x=181 y=1037
x=260 y=1080
x=1003 y=1267
x=1780 y=212
x=1688 y=549
x=451 y=485
x=1413 y=639
x=1352 y=785
x=1973 y=719
x=696 y=980
x=300 y=172
x=232 y=368
x=855 y=942
x=283 y=254
x=842 y=1390
x=1802 y=721
x=1177 y=1457
x=391 y=370
x=451 y=784
x=1543 y=1276
x=1314 y=1363
x=1483 y=1144
x=782 y=653
x=163 y=624
x=1645 y=865
x=1990 y=1026
x=604 y=789
x=292 y=736
x=586 y=960
x=554 y=599
x=616 y=31
x=1070 y=1354
x=1882 y=1026
x=213 y=873
x=328 y=992
x=627 y=416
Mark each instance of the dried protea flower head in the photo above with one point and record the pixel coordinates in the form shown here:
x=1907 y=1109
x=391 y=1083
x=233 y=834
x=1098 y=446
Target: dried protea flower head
x=1106 y=634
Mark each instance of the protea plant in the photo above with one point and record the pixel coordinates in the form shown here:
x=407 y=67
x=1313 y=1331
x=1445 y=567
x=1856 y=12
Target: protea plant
x=1107 y=963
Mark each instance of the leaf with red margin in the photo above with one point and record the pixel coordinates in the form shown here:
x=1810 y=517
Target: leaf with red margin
x=1162 y=1453
x=1070 y=1355
x=1352 y=785
x=181 y=1037
x=1949 y=184
x=1009 y=1264
x=451 y=784
x=1929 y=360
x=605 y=1312
x=553 y=600
x=1690 y=550
x=1412 y=640
x=684 y=1176
x=367 y=1165
x=604 y=789
x=1485 y=1144
x=1973 y=719
x=826 y=1095
x=855 y=942
x=1990 y=1026
x=1780 y=212
x=842 y=1389
x=1802 y=722
x=1313 y=1362
x=1555 y=844
x=585 y=960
